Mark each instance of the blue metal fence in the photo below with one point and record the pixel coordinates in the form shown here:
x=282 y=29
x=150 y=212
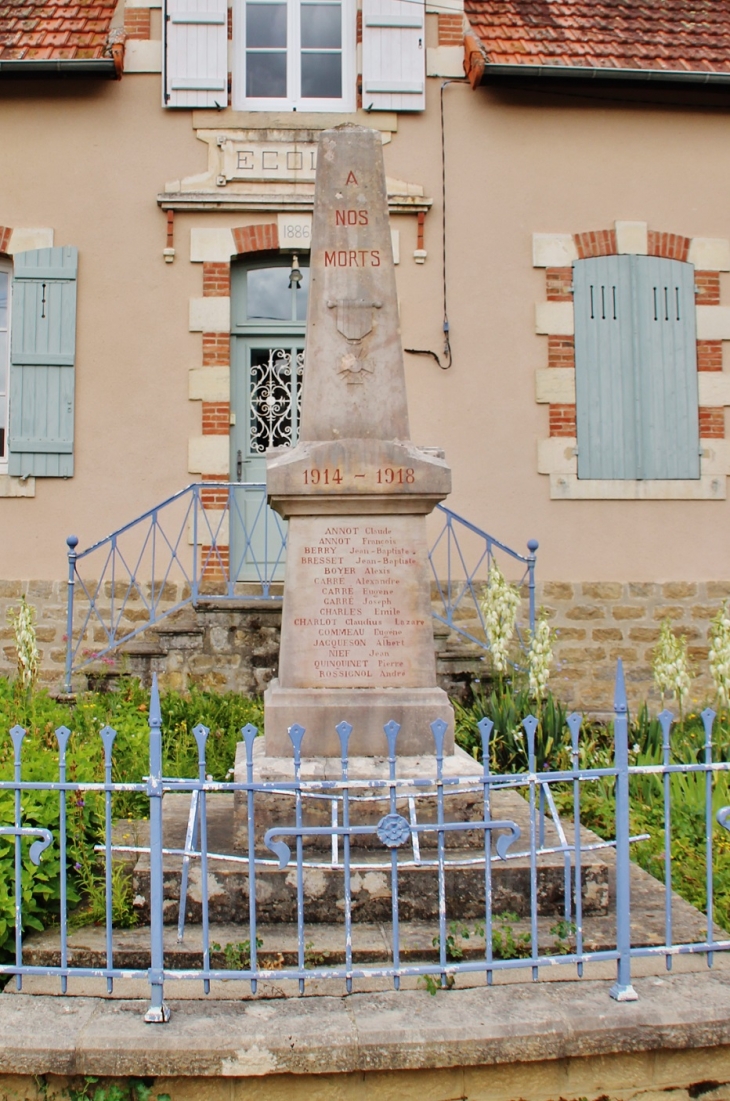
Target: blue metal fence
x=219 y=541
x=500 y=839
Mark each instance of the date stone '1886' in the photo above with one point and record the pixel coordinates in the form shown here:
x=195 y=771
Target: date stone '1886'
x=357 y=635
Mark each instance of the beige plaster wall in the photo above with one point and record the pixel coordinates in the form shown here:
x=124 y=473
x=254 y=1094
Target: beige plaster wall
x=89 y=160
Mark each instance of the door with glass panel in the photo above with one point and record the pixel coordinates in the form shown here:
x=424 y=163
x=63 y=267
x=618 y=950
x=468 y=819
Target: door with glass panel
x=267 y=365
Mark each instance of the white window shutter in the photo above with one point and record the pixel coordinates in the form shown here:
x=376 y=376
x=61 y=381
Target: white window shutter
x=195 y=70
x=393 y=55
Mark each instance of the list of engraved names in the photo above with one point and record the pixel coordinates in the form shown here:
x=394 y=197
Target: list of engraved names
x=359 y=619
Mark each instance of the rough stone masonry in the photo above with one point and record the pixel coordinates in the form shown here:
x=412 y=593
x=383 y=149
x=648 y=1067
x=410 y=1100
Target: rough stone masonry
x=357 y=635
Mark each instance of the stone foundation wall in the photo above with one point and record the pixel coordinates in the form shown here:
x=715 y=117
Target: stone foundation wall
x=598 y=622
x=236 y=647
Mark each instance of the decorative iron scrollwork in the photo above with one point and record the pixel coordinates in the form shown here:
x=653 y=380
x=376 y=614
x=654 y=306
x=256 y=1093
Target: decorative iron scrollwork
x=393 y=830
x=276 y=398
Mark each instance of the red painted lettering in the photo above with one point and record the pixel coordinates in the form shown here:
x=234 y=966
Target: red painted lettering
x=329 y=260
x=351 y=178
x=375 y=258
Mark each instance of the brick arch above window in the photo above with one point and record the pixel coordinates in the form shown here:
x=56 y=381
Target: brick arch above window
x=555 y=385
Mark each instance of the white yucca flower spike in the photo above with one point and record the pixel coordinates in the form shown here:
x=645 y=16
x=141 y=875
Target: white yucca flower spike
x=499 y=602
x=540 y=657
x=22 y=622
x=719 y=655
x=671 y=665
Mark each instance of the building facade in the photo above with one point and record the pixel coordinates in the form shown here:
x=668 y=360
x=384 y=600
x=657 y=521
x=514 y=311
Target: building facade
x=557 y=187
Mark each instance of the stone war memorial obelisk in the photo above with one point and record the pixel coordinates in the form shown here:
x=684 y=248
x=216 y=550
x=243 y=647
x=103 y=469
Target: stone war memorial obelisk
x=357 y=629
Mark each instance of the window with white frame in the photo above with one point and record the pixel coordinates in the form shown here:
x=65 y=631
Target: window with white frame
x=5 y=274
x=294 y=55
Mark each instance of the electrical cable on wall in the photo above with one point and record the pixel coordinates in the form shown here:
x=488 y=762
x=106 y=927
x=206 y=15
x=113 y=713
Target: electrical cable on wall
x=447 y=340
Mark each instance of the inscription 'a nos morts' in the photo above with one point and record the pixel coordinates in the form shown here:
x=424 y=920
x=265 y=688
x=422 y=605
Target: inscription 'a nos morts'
x=352 y=324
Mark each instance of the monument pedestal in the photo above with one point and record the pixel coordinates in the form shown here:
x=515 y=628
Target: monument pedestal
x=319 y=710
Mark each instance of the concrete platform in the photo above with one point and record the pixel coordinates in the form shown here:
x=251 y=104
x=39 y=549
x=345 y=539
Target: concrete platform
x=515 y=1026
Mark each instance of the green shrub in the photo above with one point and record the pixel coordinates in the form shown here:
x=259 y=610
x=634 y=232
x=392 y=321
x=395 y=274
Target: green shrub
x=508 y=705
x=127 y=712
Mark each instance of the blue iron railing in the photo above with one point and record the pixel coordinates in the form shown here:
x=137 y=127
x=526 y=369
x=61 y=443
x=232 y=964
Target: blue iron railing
x=219 y=541
x=280 y=844
x=461 y=558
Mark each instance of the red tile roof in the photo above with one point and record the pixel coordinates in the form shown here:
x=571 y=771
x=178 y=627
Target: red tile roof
x=685 y=35
x=54 y=29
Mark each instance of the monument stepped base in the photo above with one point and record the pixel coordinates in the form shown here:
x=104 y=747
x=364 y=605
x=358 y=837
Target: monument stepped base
x=370 y=881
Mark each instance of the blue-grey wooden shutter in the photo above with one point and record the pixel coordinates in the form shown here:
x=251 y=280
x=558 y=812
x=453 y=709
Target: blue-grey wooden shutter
x=666 y=368
x=604 y=378
x=636 y=368
x=42 y=353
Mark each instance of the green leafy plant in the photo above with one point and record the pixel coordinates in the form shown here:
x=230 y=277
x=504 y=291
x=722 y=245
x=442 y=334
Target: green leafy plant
x=236 y=954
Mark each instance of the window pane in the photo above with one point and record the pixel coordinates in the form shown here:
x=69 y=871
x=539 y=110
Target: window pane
x=266 y=26
x=321 y=76
x=268 y=295
x=302 y=296
x=321 y=26
x=266 y=76
x=4 y=280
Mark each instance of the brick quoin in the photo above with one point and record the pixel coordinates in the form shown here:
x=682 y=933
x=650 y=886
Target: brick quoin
x=6 y=233
x=137 y=22
x=707 y=288
x=230 y=24
x=216 y=279
x=451 y=29
x=359 y=26
x=597 y=242
x=562 y=420
x=216 y=418
x=561 y=351
x=216 y=350
x=216 y=562
x=213 y=498
x=712 y=423
x=709 y=355
x=670 y=245
x=559 y=284
x=258 y=238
